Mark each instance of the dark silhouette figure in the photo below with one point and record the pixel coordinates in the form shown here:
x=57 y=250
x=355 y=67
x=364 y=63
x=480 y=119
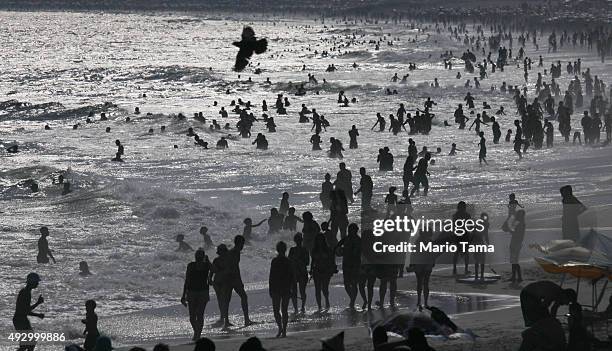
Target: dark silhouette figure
x=24 y=308
x=349 y=248
x=280 y=285
x=91 y=325
x=572 y=208
x=540 y=300
x=365 y=188
x=300 y=259
x=218 y=276
x=195 y=291
x=248 y=45
x=44 y=253
x=422 y=263
x=322 y=269
x=234 y=279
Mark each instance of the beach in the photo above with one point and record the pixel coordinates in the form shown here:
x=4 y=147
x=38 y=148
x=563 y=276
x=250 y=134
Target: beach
x=124 y=217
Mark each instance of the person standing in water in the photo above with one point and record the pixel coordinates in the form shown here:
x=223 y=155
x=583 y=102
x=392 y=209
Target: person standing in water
x=365 y=188
x=279 y=286
x=326 y=189
x=91 y=325
x=300 y=259
x=284 y=205
x=420 y=175
x=24 y=308
x=353 y=134
x=234 y=278
x=482 y=154
x=344 y=181
x=196 y=291
x=44 y=253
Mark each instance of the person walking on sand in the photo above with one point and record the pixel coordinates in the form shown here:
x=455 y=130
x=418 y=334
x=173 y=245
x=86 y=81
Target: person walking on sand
x=196 y=291
x=279 y=286
x=516 y=243
x=300 y=259
x=350 y=250
x=234 y=278
x=218 y=277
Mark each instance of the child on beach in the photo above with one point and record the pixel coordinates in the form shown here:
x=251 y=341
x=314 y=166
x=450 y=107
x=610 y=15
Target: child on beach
x=391 y=201
x=248 y=228
x=183 y=246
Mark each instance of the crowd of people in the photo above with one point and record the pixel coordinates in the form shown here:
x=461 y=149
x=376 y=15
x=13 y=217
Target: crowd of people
x=317 y=245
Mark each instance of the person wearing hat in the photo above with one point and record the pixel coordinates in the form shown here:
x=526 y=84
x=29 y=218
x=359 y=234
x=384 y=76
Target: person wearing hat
x=24 y=308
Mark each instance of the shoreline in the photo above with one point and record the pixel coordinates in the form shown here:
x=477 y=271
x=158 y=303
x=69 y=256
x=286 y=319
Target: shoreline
x=496 y=327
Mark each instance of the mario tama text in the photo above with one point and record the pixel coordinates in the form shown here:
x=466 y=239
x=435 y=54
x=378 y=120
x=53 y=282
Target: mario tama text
x=390 y=239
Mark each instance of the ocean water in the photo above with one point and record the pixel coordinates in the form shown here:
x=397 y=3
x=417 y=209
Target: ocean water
x=123 y=217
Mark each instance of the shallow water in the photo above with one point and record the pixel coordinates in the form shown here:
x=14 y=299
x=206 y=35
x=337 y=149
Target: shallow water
x=123 y=218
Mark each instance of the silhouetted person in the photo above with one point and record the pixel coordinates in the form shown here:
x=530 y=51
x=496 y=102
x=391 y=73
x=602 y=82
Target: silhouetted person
x=247 y=231
x=183 y=246
x=120 y=151
x=206 y=237
x=344 y=181
x=541 y=300
x=44 y=253
x=279 y=287
x=365 y=188
x=300 y=259
x=84 y=269
x=234 y=278
x=91 y=325
x=353 y=134
x=461 y=214
x=196 y=292
x=422 y=263
x=516 y=243
x=572 y=208
x=326 y=189
x=420 y=175
x=349 y=248
x=322 y=269
x=24 y=308
x=218 y=276
x=338 y=213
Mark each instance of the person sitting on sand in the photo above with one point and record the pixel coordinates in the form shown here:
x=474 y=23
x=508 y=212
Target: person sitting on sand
x=183 y=246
